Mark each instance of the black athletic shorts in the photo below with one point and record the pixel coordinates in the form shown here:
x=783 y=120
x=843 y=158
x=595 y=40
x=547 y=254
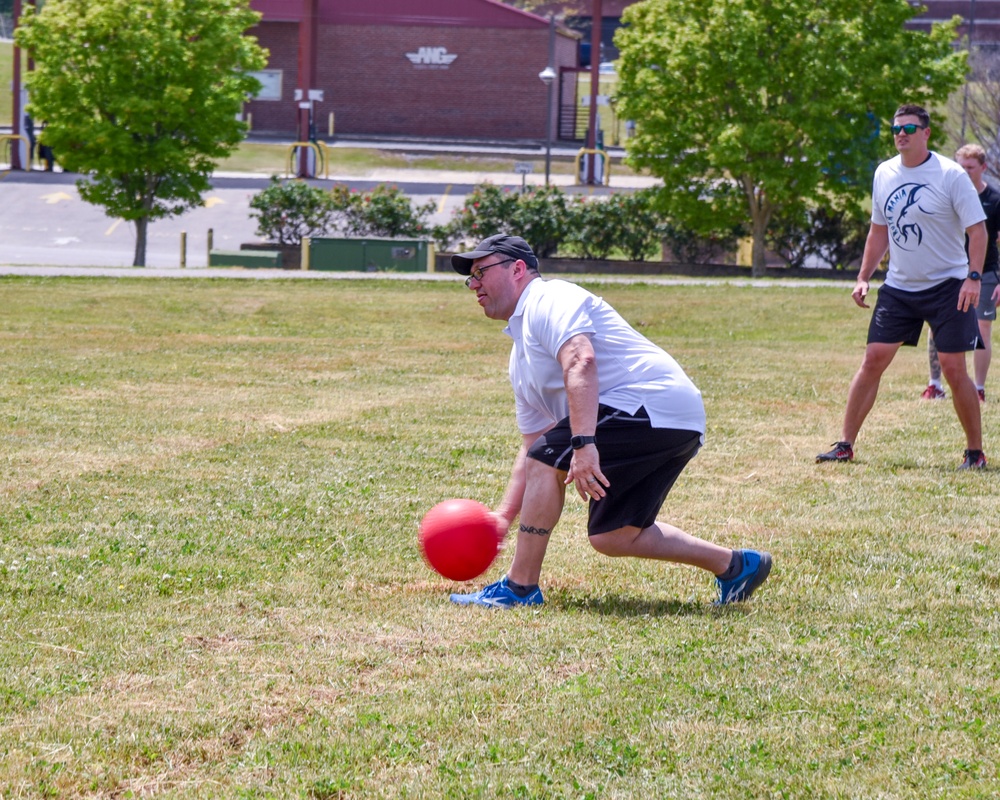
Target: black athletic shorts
x=900 y=316
x=641 y=463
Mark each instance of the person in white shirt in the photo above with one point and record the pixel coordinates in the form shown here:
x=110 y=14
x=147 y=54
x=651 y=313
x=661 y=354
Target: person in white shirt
x=972 y=158
x=601 y=407
x=922 y=203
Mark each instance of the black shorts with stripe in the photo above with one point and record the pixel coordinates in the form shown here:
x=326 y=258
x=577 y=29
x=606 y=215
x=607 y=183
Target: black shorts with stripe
x=899 y=316
x=640 y=462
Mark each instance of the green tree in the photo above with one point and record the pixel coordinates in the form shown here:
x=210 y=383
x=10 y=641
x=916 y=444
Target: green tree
x=754 y=109
x=974 y=110
x=141 y=96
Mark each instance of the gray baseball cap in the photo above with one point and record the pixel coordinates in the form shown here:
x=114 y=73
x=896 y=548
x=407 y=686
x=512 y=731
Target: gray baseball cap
x=513 y=246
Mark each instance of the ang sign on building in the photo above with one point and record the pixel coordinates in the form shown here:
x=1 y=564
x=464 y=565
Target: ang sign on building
x=402 y=68
x=432 y=58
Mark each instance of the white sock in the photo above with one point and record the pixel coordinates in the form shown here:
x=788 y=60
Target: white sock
x=936 y=382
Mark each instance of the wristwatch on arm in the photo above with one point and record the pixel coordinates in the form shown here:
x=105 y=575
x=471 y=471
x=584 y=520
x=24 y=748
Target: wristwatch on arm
x=974 y=276
x=581 y=441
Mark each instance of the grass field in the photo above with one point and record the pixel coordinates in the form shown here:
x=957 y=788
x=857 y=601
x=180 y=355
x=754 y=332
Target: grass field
x=6 y=75
x=272 y=159
x=210 y=585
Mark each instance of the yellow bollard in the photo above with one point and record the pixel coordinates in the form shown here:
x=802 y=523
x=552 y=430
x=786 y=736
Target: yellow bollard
x=331 y=124
x=184 y=248
x=744 y=252
x=305 y=253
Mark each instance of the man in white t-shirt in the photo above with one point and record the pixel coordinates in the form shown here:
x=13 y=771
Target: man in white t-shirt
x=601 y=407
x=922 y=203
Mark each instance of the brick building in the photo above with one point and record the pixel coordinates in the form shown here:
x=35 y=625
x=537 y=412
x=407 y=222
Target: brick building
x=437 y=68
x=980 y=19
x=459 y=69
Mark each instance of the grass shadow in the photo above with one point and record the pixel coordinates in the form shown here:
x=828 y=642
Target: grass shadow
x=630 y=606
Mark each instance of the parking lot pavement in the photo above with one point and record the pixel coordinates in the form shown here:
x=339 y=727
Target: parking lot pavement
x=44 y=220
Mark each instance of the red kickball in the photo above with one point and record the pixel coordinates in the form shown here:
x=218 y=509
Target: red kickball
x=458 y=539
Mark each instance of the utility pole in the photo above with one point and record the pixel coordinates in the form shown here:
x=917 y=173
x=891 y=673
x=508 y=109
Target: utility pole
x=595 y=78
x=307 y=80
x=548 y=76
x=972 y=43
x=17 y=126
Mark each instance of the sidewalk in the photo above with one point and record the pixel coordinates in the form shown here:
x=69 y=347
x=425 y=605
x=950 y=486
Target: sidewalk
x=458 y=178
x=239 y=273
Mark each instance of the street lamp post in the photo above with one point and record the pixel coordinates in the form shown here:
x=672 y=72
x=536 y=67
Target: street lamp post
x=548 y=76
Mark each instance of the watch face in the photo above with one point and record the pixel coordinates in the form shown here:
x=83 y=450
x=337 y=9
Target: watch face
x=975 y=275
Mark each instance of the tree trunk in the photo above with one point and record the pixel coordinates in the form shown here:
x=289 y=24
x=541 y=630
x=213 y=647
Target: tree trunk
x=150 y=185
x=758 y=268
x=760 y=218
x=141 y=225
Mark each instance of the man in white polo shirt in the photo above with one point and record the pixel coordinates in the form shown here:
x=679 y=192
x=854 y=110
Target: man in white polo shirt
x=601 y=407
x=922 y=204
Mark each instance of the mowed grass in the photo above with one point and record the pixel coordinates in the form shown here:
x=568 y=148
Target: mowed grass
x=210 y=585
x=271 y=158
x=6 y=75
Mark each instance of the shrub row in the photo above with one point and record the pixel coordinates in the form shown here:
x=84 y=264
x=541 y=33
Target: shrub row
x=619 y=225
x=289 y=211
x=622 y=224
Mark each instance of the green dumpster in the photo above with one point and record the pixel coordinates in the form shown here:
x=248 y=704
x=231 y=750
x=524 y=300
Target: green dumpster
x=250 y=259
x=369 y=255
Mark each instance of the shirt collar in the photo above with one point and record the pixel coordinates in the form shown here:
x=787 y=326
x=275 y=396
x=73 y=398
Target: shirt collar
x=519 y=308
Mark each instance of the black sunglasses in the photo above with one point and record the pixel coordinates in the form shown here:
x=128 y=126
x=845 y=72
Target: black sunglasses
x=909 y=129
x=478 y=272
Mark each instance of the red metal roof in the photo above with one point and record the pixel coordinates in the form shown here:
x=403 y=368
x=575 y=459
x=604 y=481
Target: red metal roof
x=452 y=13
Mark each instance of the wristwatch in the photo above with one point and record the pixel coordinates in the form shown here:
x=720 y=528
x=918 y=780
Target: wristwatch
x=581 y=441
x=974 y=276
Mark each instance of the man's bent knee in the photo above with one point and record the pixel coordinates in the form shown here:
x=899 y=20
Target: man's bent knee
x=615 y=543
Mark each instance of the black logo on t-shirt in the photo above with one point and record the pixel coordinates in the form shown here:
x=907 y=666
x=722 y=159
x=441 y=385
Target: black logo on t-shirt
x=899 y=213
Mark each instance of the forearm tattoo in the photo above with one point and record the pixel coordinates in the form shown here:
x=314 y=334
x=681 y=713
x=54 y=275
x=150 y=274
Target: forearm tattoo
x=536 y=531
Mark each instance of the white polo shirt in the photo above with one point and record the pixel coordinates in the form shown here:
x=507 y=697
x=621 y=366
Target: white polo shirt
x=927 y=209
x=632 y=372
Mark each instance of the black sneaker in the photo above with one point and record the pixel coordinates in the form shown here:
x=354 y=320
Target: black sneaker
x=974 y=459
x=842 y=451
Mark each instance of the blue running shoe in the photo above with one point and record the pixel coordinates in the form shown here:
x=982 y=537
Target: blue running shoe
x=498 y=595
x=756 y=568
